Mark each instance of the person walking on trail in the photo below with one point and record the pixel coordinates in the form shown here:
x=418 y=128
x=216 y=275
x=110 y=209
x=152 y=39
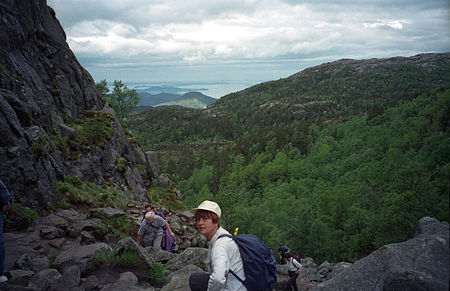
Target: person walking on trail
x=296 y=256
x=5 y=198
x=223 y=254
x=272 y=252
x=282 y=252
x=148 y=208
x=168 y=242
x=150 y=232
x=294 y=269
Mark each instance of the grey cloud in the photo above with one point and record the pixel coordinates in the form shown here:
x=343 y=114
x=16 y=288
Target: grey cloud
x=139 y=12
x=172 y=40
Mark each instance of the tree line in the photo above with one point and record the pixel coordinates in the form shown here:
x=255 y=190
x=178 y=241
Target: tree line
x=361 y=184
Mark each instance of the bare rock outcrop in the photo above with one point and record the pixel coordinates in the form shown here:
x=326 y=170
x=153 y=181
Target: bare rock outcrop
x=421 y=263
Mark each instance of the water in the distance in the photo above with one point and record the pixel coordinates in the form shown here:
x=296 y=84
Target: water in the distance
x=212 y=89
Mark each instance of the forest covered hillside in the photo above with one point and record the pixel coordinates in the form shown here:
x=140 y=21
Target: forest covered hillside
x=190 y=100
x=335 y=161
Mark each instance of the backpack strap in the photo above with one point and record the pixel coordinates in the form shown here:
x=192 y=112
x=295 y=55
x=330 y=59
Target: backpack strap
x=233 y=238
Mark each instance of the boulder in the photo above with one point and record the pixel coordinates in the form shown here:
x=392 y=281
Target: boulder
x=176 y=227
x=189 y=256
x=39 y=263
x=81 y=256
x=20 y=277
x=163 y=180
x=324 y=271
x=180 y=278
x=23 y=263
x=339 y=267
x=87 y=237
x=158 y=255
x=68 y=281
x=68 y=213
x=421 y=263
x=43 y=279
x=128 y=276
x=107 y=212
x=308 y=263
x=90 y=283
x=129 y=244
x=282 y=269
x=188 y=215
x=124 y=285
x=52 y=220
x=51 y=232
x=153 y=160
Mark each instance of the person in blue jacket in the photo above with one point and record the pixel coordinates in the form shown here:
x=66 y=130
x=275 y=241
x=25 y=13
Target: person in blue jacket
x=5 y=198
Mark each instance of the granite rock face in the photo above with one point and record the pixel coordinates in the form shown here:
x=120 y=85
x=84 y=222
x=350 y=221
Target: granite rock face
x=43 y=88
x=420 y=263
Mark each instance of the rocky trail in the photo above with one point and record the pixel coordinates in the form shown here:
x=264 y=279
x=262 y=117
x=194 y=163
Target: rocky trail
x=58 y=253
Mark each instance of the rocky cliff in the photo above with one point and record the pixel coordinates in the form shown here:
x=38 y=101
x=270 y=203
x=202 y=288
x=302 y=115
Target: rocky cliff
x=53 y=121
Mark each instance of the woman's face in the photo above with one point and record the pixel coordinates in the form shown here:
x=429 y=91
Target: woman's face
x=206 y=227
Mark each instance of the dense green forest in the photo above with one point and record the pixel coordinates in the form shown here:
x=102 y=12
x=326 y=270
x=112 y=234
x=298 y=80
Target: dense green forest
x=334 y=161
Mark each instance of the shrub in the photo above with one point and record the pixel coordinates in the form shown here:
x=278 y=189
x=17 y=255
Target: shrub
x=122 y=226
x=121 y=164
x=93 y=129
x=156 y=275
x=129 y=258
x=165 y=197
x=21 y=216
x=105 y=258
x=74 y=190
x=52 y=258
x=38 y=150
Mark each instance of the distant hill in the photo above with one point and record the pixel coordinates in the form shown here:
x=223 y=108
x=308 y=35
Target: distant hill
x=328 y=93
x=148 y=99
x=190 y=100
x=139 y=109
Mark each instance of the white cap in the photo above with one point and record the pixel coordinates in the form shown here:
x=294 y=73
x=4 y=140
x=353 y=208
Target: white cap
x=208 y=206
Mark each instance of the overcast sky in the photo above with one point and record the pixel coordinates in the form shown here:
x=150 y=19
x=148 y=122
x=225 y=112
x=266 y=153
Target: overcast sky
x=249 y=40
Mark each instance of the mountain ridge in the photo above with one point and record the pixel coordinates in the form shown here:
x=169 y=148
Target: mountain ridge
x=190 y=100
x=343 y=77
x=330 y=92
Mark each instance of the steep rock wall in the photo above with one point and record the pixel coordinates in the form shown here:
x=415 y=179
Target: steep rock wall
x=42 y=89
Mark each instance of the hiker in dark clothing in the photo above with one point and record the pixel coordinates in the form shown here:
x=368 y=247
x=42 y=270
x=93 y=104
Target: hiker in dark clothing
x=282 y=251
x=5 y=198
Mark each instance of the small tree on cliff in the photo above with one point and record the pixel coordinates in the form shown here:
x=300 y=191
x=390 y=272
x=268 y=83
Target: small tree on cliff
x=122 y=99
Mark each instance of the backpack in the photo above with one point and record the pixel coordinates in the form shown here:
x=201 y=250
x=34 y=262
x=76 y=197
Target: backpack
x=260 y=267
